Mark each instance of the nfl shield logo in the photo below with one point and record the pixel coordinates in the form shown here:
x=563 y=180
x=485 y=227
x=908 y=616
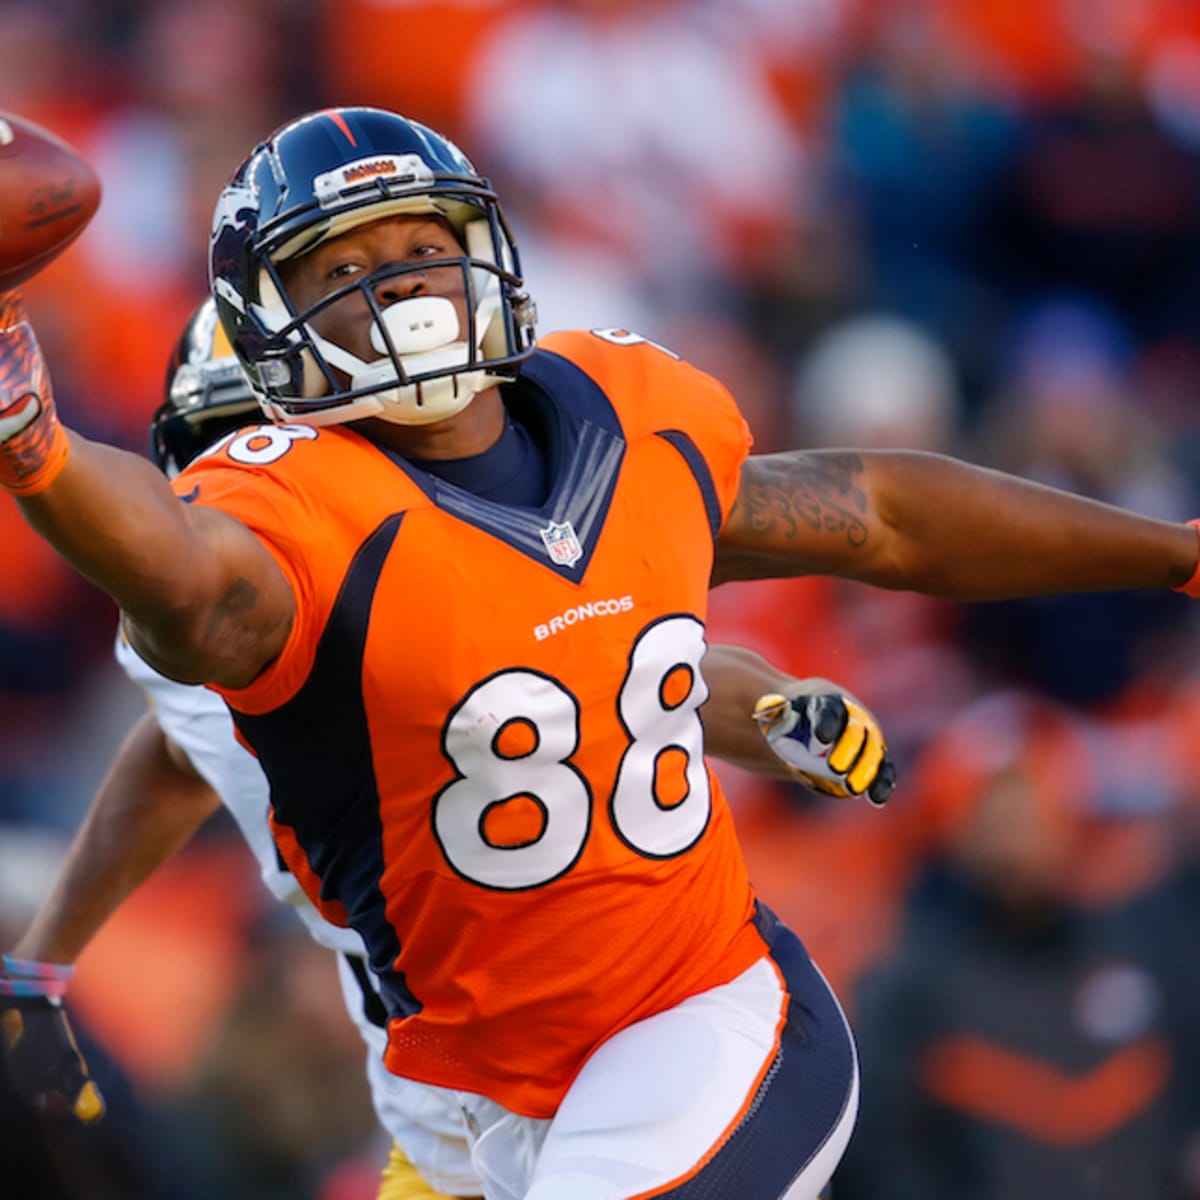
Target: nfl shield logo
x=561 y=543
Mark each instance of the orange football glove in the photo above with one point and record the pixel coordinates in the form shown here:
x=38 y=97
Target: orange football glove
x=33 y=443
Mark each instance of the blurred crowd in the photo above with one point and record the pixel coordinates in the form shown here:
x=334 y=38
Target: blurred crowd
x=970 y=226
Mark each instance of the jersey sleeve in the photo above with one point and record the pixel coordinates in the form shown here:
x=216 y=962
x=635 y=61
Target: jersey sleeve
x=721 y=434
x=270 y=501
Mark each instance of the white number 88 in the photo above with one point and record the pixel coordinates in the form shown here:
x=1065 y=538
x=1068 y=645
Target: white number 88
x=658 y=703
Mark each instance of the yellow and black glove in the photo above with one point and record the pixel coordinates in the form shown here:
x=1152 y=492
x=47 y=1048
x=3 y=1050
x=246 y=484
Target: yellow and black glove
x=43 y=1059
x=830 y=743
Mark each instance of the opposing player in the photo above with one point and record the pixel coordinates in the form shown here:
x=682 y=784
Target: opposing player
x=456 y=602
x=181 y=760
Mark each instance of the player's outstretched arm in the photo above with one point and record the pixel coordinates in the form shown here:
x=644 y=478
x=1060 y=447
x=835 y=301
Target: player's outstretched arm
x=928 y=523
x=202 y=598
x=809 y=730
x=149 y=804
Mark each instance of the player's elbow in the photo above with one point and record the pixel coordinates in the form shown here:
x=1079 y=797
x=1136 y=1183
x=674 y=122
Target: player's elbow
x=171 y=641
x=226 y=615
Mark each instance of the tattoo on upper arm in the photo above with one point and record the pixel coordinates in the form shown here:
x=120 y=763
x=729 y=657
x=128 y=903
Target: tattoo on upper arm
x=780 y=493
x=240 y=599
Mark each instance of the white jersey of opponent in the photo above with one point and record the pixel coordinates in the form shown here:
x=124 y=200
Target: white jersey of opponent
x=198 y=722
x=426 y=1121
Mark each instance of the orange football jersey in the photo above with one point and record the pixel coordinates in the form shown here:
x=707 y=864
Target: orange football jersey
x=482 y=736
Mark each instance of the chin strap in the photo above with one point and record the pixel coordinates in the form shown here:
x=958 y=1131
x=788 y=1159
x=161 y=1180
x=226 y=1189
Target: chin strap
x=33 y=443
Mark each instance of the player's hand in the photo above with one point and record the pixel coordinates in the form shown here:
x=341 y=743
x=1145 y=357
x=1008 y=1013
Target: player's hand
x=33 y=444
x=830 y=742
x=44 y=1062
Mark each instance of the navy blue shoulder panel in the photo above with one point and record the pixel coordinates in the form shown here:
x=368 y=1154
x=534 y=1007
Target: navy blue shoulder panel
x=316 y=752
x=572 y=388
x=699 y=468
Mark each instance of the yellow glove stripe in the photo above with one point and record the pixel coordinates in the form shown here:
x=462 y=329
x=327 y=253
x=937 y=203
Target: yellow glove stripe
x=868 y=765
x=847 y=748
x=13 y=1027
x=825 y=786
x=769 y=710
x=88 y=1106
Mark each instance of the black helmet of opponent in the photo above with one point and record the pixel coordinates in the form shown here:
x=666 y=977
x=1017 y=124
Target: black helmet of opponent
x=317 y=178
x=207 y=394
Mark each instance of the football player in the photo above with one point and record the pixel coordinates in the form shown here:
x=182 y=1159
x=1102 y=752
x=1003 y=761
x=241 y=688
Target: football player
x=455 y=601
x=182 y=760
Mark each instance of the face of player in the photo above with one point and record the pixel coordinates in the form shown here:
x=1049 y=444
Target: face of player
x=400 y=241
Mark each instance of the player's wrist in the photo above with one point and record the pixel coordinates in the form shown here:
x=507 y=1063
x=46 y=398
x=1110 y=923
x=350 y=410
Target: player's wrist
x=42 y=1057
x=34 y=446
x=1191 y=586
x=34 y=458
x=26 y=977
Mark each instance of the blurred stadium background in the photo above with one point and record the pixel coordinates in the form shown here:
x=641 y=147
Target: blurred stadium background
x=966 y=225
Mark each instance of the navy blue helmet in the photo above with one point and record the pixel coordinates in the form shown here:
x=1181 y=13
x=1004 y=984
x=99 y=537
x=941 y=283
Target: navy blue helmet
x=317 y=178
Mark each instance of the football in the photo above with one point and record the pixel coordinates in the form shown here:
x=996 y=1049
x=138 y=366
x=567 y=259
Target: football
x=48 y=194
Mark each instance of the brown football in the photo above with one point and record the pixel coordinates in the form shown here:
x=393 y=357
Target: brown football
x=48 y=194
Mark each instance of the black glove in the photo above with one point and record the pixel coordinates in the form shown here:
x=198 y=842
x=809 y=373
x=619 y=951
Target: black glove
x=43 y=1059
